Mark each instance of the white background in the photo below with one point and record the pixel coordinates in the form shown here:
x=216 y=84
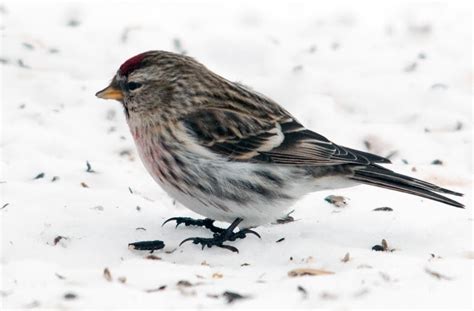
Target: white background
x=396 y=75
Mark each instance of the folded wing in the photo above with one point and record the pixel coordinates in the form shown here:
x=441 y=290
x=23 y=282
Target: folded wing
x=242 y=137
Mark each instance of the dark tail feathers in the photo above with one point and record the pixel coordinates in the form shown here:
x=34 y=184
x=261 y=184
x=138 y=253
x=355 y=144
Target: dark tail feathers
x=378 y=176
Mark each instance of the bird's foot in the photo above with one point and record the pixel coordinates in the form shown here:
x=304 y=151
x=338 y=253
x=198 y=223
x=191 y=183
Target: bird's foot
x=224 y=236
x=147 y=245
x=187 y=221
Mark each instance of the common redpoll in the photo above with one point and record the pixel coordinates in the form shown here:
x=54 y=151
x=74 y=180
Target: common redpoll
x=231 y=154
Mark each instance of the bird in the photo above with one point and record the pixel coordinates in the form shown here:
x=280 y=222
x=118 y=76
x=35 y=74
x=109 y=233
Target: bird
x=231 y=154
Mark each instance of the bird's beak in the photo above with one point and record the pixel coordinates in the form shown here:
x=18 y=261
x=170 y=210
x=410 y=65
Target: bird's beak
x=110 y=92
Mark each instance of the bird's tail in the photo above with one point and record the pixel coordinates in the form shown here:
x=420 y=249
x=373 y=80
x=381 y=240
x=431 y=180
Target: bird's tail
x=379 y=176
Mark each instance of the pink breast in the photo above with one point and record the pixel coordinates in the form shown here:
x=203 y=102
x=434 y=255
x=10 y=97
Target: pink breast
x=151 y=155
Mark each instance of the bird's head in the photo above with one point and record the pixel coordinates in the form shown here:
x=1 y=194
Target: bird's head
x=148 y=83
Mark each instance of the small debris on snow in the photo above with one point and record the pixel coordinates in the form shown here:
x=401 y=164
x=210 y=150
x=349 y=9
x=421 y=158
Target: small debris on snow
x=59 y=238
x=439 y=86
x=383 y=247
x=383 y=209
x=89 y=168
x=367 y=144
x=297 y=68
x=336 y=200
x=127 y=153
x=84 y=185
x=391 y=154
x=346 y=257
x=287 y=219
x=40 y=175
x=437 y=162
x=122 y=279
x=158 y=289
x=184 y=283
x=28 y=46
x=153 y=257
x=22 y=64
x=73 y=22
x=55 y=178
x=147 y=245
x=361 y=292
x=59 y=276
x=437 y=275
x=328 y=296
x=178 y=46
x=411 y=67
x=70 y=296
x=303 y=291
x=280 y=240
x=217 y=275
x=107 y=275
x=433 y=256
x=230 y=297
x=377 y=248
x=385 y=276
x=4 y=205
x=308 y=271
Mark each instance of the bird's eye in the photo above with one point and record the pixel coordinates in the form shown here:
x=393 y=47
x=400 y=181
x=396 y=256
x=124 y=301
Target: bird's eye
x=133 y=85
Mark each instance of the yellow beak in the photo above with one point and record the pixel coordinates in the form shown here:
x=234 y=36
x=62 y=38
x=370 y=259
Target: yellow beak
x=110 y=92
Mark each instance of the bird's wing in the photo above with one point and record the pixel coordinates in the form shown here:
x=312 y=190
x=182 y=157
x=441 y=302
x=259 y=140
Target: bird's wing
x=237 y=136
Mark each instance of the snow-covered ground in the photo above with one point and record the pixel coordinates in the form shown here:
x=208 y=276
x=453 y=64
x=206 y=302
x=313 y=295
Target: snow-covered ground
x=394 y=79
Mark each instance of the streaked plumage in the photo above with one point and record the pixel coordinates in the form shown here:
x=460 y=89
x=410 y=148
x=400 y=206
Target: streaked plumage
x=227 y=152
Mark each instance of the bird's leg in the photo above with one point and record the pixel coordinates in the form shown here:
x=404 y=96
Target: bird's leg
x=223 y=236
x=187 y=221
x=147 y=245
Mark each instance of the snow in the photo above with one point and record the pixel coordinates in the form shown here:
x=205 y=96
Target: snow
x=396 y=75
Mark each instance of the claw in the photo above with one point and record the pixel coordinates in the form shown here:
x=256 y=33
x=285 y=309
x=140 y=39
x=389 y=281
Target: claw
x=188 y=239
x=209 y=243
x=170 y=219
x=229 y=247
x=246 y=231
x=187 y=221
